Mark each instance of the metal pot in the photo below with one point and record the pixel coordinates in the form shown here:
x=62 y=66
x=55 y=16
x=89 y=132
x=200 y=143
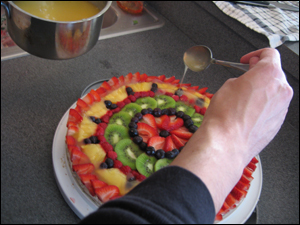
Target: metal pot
x=53 y=39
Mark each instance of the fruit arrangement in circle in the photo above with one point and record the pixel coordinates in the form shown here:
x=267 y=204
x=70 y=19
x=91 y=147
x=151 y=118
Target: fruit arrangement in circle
x=132 y=126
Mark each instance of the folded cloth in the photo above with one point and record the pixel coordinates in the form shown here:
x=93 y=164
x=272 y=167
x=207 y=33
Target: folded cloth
x=277 y=24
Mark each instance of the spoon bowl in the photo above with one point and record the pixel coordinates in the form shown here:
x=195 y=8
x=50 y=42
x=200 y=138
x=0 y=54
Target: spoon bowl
x=199 y=58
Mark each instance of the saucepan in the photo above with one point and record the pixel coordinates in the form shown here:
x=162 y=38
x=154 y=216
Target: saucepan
x=53 y=39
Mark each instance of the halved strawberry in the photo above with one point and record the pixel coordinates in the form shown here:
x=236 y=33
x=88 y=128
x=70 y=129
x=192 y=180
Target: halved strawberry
x=182 y=132
x=88 y=99
x=247 y=172
x=195 y=88
x=97 y=183
x=72 y=130
x=107 y=192
x=251 y=166
x=162 y=121
x=128 y=78
x=225 y=208
x=176 y=81
x=242 y=186
x=245 y=179
x=230 y=200
x=136 y=77
x=71 y=140
x=202 y=90
x=238 y=194
x=179 y=142
x=86 y=180
x=121 y=80
x=162 y=77
x=96 y=96
x=106 y=85
x=101 y=91
x=74 y=116
x=146 y=131
x=151 y=78
x=170 y=80
x=150 y=120
x=78 y=157
x=218 y=217
x=143 y=77
x=209 y=95
x=174 y=124
x=82 y=105
x=113 y=82
x=169 y=144
x=83 y=168
x=157 y=142
x=254 y=160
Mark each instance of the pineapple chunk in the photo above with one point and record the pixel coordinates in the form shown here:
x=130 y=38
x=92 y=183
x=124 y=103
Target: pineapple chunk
x=137 y=87
x=117 y=95
x=86 y=129
x=98 y=109
x=95 y=153
x=167 y=87
x=114 y=176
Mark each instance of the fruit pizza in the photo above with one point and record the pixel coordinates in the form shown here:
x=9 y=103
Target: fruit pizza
x=132 y=126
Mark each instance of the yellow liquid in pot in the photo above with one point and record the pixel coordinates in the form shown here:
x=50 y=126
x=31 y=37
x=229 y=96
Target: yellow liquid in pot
x=59 y=10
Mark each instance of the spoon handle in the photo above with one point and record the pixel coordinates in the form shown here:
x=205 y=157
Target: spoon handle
x=240 y=66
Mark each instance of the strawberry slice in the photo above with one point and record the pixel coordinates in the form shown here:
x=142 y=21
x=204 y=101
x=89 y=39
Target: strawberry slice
x=238 y=194
x=113 y=82
x=176 y=81
x=202 y=90
x=225 y=208
x=74 y=116
x=251 y=166
x=182 y=132
x=242 y=186
x=96 y=96
x=162 y=121
x=170 y=80
x=70 y=140
x=86 y=180
x=254 y=160
x=143 y=77
x=247 y=172
x=157 y=142
x=77 y=156
x=83 y=168
x=98 y=183
x=88 y=99
x=178 y=141
x=136 y=77
x=150 y=120
x=101 y=91
x=162 y=77
x=72 y=130
x=146 y=131
x=174 y=124
x=121 y=80
x=106 y=85
x=82 y=105
x=128 y=78
x=245 y=179
x=169 y=145
x=230 y=200
x=107 y=192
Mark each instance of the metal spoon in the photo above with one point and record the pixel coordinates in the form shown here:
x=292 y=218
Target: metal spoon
x=198 y=58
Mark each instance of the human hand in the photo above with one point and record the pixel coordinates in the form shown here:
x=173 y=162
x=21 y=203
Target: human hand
x=243 y=117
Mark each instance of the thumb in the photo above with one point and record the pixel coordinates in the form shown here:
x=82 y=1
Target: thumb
x=252 y=62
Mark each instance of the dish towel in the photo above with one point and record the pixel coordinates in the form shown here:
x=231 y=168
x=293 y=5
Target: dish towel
x=277 y=24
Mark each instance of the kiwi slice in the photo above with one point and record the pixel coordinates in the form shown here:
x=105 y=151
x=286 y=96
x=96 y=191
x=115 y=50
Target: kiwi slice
x=145 y=164
x=165 y=102
x=127 y=152
x=120 y=118
x=132 y=109
x=115 y=133
x=197 y=118
x=181 y=106
x=147 y=102
x=161 y=163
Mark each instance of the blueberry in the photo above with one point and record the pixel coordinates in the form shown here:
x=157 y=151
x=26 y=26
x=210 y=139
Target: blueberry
x=150 y=150
x=175 y=151
x=134 y=119
x=129 y=90
x=193 y=128
x=98 y=120
x=132 y=125
x=113 y=106
x=103 y=165
x=164 y=112
x=137 y=139
x=144 y=111
x=109 y=162
x=87 y=141
x=188 y=123
x=150 y=111
x=170 y=155
x=154 y=85
x=107 y=103
x=172 y=111
x=94 y=139
x=153 y=89
x=179 y=114
x=139 y=116
x=186 y=117
x=157 y=112
x=92 y=118
x=133 y=132
x=160 y=154
x=164 y=133
x=143 y=146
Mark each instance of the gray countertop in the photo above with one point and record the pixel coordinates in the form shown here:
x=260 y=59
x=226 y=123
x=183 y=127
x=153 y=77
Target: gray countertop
x=35 y=94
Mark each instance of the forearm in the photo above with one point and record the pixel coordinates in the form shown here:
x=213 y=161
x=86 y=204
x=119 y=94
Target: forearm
x=217 y=162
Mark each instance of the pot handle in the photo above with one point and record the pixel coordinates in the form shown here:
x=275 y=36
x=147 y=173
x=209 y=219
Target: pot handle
x=6 y=9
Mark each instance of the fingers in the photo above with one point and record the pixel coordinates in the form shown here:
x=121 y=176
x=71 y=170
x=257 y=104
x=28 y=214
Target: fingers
x=253 y=61
x=261 y=53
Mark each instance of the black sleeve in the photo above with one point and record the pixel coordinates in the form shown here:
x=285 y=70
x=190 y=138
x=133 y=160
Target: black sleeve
x=171 y=195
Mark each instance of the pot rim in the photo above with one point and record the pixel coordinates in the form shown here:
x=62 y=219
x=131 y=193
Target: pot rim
x=108 y=4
